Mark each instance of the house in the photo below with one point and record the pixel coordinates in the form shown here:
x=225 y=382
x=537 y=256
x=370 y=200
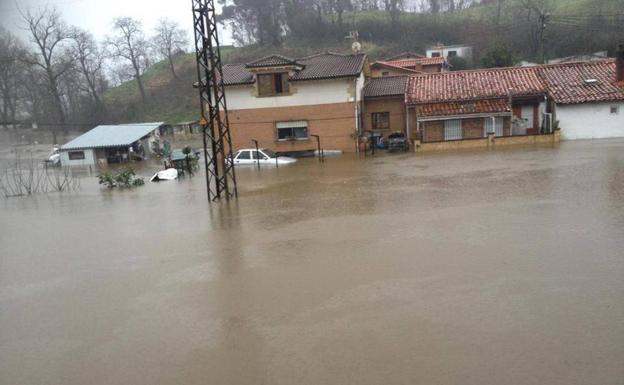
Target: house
x=470 y=104
x=283 y=102
x=447 y=51
x=384 y=107
x=408 y=65
x=588 y=97
x=108 y=144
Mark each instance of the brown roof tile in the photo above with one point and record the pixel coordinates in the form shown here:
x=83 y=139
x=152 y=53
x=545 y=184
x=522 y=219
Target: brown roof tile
x=463 y=108
x=271 y=60
x=583 y=82
x=425 y=61
x=327 y=65
x=385 y=86
x=473 y=85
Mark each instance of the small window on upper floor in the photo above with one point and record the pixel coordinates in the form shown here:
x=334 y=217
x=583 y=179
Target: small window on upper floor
x=273 y=84
x=435 y=54
x=385 y=73
x=615 y=110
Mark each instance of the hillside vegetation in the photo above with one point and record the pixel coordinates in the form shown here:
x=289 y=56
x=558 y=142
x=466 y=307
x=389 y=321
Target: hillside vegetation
x=575 y=27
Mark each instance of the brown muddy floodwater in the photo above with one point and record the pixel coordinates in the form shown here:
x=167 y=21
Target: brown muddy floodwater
x=490 y=267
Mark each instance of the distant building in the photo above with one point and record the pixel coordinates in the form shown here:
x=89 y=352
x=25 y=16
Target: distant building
x=109 y=144
x=449 y=51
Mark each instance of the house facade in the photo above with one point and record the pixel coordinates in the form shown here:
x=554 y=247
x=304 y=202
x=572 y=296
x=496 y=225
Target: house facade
x=470 y=104
x=588 y=97
x=282 y=102
x=383 y=111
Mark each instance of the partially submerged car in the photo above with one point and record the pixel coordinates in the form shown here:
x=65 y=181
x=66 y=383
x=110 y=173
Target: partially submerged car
x=261 y=156
x=397 y=141
x=54 y=159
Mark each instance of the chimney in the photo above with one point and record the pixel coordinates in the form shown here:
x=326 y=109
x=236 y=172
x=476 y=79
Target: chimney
x=619 y=63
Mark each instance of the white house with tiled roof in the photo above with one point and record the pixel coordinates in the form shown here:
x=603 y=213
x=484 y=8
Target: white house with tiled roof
x=588 y=97
x=283 y=102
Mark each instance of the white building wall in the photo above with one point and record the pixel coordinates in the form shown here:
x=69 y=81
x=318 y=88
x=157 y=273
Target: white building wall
x=590 y=121
x=89 y=159
x=303 y=93
x=462 y=51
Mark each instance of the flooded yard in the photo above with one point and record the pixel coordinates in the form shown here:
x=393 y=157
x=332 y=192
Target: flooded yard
x=485 y=267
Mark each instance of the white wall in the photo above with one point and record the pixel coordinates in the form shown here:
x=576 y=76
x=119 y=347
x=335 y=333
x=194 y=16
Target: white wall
x=87 y=161
x=463 y=51
x=590 y=121
x=304 y=93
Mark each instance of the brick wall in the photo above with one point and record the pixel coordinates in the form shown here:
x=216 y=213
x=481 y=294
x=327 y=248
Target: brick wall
x=395 y=106
x=473 y=128
x=433 y=131
x=335 y=123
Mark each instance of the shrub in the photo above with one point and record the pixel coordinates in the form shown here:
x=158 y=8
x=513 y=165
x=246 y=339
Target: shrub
x=125 y=178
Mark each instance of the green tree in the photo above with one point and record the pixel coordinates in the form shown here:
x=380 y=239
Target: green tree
x=498 y=56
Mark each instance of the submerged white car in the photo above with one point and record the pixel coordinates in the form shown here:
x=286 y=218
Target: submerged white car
x=263 y=156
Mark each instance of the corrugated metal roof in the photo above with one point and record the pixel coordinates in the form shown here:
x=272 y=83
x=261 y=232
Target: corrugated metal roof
x=112 y=136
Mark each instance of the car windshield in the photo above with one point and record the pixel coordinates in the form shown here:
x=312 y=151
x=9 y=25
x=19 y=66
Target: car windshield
x=268 y=152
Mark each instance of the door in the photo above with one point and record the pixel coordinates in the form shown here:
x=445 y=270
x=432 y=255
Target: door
x=528 y=117
x=453 y=129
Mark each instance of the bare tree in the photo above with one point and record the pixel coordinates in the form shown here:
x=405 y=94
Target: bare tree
x=169 y=40
x=130 y=44
x=90 y=62
x=11 y=75
x=48 y=33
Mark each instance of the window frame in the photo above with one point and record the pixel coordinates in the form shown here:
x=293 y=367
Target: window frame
x=447 y=130
x=76 y=155
x=375 y=120
x=291 y=137
x=614 y=110
x=279 y=83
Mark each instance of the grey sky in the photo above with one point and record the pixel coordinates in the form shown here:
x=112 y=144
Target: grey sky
x=96 y=15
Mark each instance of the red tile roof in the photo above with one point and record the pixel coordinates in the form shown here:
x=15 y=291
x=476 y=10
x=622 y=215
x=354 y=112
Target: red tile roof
x=463 y=108
x=396 y=68
x=583 y=82
x=425 y=61
x=473 y=85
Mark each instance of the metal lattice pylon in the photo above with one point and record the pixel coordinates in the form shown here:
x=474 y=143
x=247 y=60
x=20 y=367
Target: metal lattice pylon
x=220 y=174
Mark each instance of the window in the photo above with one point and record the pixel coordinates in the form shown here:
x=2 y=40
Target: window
x=494 y=125
x=243 y=155
x=385 y=73
x=381 y=120
x=76 y=155
x=452 y=53
x=292 y=130
x=615 y=110
x=453 y=129
x=273 y=84
x=435 y=54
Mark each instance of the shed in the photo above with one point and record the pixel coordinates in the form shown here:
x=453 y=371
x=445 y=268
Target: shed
x=108 y=143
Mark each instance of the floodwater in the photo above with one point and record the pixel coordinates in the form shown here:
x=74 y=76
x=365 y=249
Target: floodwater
x=484 y=267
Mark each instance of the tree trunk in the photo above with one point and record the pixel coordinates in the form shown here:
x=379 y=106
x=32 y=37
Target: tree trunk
x=137 y=76
x=175 y=76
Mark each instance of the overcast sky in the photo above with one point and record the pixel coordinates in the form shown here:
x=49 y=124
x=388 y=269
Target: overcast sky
x=96 y=15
